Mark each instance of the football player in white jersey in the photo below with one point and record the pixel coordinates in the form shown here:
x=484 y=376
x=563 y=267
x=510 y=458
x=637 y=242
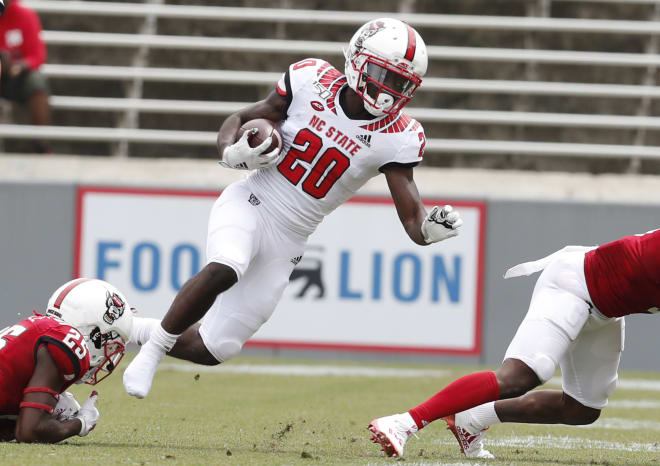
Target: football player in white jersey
x=338 y=130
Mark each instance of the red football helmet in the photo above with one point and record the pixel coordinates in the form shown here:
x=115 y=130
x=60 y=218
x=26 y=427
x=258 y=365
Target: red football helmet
x=385 y=62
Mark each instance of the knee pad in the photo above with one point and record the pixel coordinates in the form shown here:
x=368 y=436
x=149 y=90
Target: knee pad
x=542 y=365
x=226 y=350
x=224 y=336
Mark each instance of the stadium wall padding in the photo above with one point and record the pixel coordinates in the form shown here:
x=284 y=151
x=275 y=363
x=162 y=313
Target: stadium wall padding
x=36 y=225
x=37 y=248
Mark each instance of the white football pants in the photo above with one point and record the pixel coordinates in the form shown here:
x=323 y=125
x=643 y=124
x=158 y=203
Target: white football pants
x=563 y=328
x=243 y=235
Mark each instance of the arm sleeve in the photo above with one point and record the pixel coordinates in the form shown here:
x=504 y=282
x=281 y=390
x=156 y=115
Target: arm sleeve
x=33 y=48
x=394 y=164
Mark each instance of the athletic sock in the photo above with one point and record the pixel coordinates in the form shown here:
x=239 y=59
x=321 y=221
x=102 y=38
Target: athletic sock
x=142 y=328
x=462 y=394
x=139 y=374
x=481 y=417
x=163 y=339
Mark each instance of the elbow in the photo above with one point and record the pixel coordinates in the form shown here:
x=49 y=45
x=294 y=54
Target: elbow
x=34 y=434
x=26 y=435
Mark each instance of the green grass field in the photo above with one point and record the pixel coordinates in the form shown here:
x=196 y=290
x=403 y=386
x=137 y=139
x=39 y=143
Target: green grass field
x=196 y=417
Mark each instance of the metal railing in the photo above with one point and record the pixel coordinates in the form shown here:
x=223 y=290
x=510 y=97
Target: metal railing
x=251 y=78
x=353 y=18
x=434 y=145
x=329 y=48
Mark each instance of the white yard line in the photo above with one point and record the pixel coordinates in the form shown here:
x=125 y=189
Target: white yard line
x=567 y=443
x=363 y=371
x=307 y=371
x=426 y=463
x=634 y=404
x=617 y=423
x=624 y=384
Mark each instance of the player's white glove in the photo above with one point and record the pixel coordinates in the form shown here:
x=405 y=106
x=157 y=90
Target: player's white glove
x=88 y=414
x=67 y=407
x=241 y=156
x=440 y=224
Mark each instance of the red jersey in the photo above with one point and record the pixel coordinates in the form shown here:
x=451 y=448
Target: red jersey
x=18 y=348
x=20 y=35
x=623 y=277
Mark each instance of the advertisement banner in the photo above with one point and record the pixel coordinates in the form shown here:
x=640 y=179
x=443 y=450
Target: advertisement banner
x=361 y=284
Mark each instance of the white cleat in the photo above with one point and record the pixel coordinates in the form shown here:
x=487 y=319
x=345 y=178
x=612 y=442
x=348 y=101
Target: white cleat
x=139 y=374
x=471 y=444
x=392 y=432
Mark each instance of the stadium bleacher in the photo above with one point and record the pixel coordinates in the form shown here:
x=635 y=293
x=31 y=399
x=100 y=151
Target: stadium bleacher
x=539 y=84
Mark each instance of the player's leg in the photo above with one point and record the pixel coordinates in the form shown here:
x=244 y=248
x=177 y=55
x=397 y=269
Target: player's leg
x=242 y=310
x=511 y=379
x=556 y=315
x=233 y=236
x=544 y=407
x=231 y=320
x=189 y=345
x=530 y=360
x=142 y=328
x=590 y=369
x=589 y=373
x=197 y=295
x=190 y=304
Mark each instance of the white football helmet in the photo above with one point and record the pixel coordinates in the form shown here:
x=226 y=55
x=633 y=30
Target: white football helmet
x=385 y=62
x=100 y=312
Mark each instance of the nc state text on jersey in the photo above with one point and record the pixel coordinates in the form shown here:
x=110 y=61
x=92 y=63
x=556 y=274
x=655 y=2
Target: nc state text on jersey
x=339 y=138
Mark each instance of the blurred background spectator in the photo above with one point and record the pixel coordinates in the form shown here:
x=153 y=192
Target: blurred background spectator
x=22 y=53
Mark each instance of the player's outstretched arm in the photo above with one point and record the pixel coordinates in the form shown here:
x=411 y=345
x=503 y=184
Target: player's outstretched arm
x=406 y=199
x=272 y=108
x=439 y=224
x=36 y=420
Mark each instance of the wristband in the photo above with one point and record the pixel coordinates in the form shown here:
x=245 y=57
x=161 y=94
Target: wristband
x=83 y=426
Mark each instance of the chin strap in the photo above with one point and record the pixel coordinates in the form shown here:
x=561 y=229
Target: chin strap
x=30 y=404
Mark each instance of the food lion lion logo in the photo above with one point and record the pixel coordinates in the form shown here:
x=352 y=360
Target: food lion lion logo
x=368 y=31
x=114 y=307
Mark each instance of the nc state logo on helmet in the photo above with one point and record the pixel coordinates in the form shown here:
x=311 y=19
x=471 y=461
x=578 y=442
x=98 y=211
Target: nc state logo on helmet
x=114 y=307
x=100 y=312
x=385 y=62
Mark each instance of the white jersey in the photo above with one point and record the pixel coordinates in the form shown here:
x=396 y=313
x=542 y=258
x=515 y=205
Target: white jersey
x=326 y=156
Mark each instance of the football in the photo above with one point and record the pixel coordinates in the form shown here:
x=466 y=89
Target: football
x=266 y=128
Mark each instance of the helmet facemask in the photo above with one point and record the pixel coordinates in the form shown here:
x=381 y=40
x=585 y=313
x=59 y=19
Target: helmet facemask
x=105 y=353
x=385 y=87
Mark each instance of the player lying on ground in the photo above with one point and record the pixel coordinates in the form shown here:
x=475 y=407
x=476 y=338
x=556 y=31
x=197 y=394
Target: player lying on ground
x=79 y=339
x=338 y=132
x=575 y=319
